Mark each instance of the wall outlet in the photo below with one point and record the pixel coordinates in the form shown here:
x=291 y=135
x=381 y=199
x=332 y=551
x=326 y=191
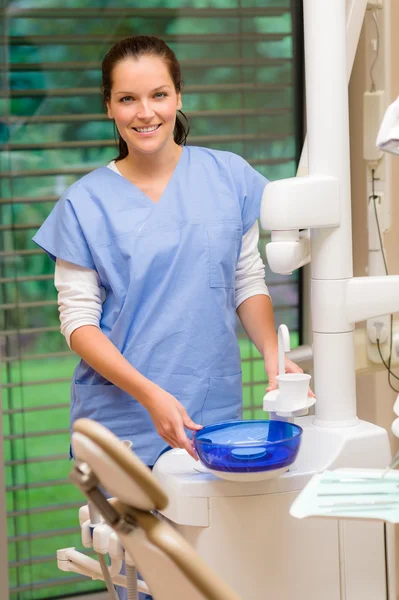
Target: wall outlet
x=374 y=356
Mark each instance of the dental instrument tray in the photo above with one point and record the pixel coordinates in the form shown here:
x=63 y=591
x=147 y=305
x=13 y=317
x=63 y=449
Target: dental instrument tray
x=350 y=494
x=248 y=450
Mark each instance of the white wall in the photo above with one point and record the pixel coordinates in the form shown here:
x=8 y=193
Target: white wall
x=374 y=397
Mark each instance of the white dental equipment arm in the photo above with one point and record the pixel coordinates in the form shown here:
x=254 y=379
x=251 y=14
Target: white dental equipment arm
x=321 y=203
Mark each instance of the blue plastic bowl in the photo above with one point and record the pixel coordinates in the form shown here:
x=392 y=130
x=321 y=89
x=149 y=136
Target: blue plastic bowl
x=248 y=446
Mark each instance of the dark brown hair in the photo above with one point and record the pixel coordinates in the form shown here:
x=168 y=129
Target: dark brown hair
x=136 y=47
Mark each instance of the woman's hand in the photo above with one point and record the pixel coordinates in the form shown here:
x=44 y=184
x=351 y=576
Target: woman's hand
x=271 y=367
x=170 y=418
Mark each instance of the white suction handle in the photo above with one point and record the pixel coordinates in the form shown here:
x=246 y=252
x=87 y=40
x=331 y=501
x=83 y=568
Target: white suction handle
x=283 y=347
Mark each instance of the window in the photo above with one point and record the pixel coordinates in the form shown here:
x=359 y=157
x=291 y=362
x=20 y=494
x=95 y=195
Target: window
x=240 y=94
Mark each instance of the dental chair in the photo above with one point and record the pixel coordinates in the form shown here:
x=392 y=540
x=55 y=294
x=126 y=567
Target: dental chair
x=169 y=566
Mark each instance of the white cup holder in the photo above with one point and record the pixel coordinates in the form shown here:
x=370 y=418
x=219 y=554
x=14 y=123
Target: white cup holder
x=292 y=396
x=291 y=399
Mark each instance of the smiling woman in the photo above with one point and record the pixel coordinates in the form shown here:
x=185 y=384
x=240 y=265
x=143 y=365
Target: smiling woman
x=139 y=228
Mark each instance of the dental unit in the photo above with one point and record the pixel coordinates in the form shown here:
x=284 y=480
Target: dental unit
x=310 y=220
x=252 y=530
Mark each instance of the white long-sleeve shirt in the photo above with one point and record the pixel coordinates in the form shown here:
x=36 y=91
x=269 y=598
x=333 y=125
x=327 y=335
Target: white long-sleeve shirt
x=80 y=295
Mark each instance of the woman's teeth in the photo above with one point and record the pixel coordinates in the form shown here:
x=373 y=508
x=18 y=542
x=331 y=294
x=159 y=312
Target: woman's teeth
x=146 y=129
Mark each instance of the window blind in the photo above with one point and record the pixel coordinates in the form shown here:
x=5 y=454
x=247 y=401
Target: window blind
x=240 y=72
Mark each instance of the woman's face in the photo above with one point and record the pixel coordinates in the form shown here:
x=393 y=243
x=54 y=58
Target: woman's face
x=143 y=103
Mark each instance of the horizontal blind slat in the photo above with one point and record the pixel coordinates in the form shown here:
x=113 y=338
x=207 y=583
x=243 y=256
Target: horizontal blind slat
x=37 y=485
x=188 y=89
x=29 y=330
x=36 y=560
x=27 y=200
x=44 y=509
x=48 y=583
x=194 y=140
x=201 y=63
x=85 y=170
x=28 y=357
x=204 y=38
x=37 y=459
x=13 y=12
x=229 y=112
x=27 y=278
x=37 y=408
x=34 y=434
x=38 y=304
x=50 y=277
x=19 y=227
x=9 y=253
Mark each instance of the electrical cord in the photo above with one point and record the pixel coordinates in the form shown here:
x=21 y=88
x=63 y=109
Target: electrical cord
x=383 y=360
x=374 y=197
x=387 y=366
x=390 y=373
x=377 y=51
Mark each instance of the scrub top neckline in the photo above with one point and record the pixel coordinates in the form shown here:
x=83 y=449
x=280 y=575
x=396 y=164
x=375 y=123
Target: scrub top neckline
x=168 y=185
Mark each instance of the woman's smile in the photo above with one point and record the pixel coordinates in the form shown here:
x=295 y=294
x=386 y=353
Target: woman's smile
x=148 y=130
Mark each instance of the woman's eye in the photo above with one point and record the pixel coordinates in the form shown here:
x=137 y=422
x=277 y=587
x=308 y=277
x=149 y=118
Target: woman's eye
x=126 y=99
x=160 y=95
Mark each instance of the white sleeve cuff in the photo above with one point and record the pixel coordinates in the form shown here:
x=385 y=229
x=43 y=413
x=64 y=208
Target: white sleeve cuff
x=250 y=271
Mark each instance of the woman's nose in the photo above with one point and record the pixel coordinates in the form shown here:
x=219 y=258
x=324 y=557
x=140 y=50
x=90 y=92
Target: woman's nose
x=145 y=111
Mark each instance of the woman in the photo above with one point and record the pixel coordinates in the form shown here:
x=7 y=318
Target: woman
x=155 y=254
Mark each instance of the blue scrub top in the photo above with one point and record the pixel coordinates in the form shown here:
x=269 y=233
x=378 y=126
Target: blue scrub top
x=168 y=271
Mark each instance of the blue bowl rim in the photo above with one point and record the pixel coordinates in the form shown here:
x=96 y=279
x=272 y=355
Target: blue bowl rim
x=248 y=444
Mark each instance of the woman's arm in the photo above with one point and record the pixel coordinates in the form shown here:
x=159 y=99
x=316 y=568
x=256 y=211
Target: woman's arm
x=254 y=306
x=257 y=318
x=253 y=303
x=80 y=317
x=169 y=416
x=250 y=270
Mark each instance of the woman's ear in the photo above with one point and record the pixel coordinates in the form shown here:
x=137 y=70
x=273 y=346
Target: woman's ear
x=179 y=102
